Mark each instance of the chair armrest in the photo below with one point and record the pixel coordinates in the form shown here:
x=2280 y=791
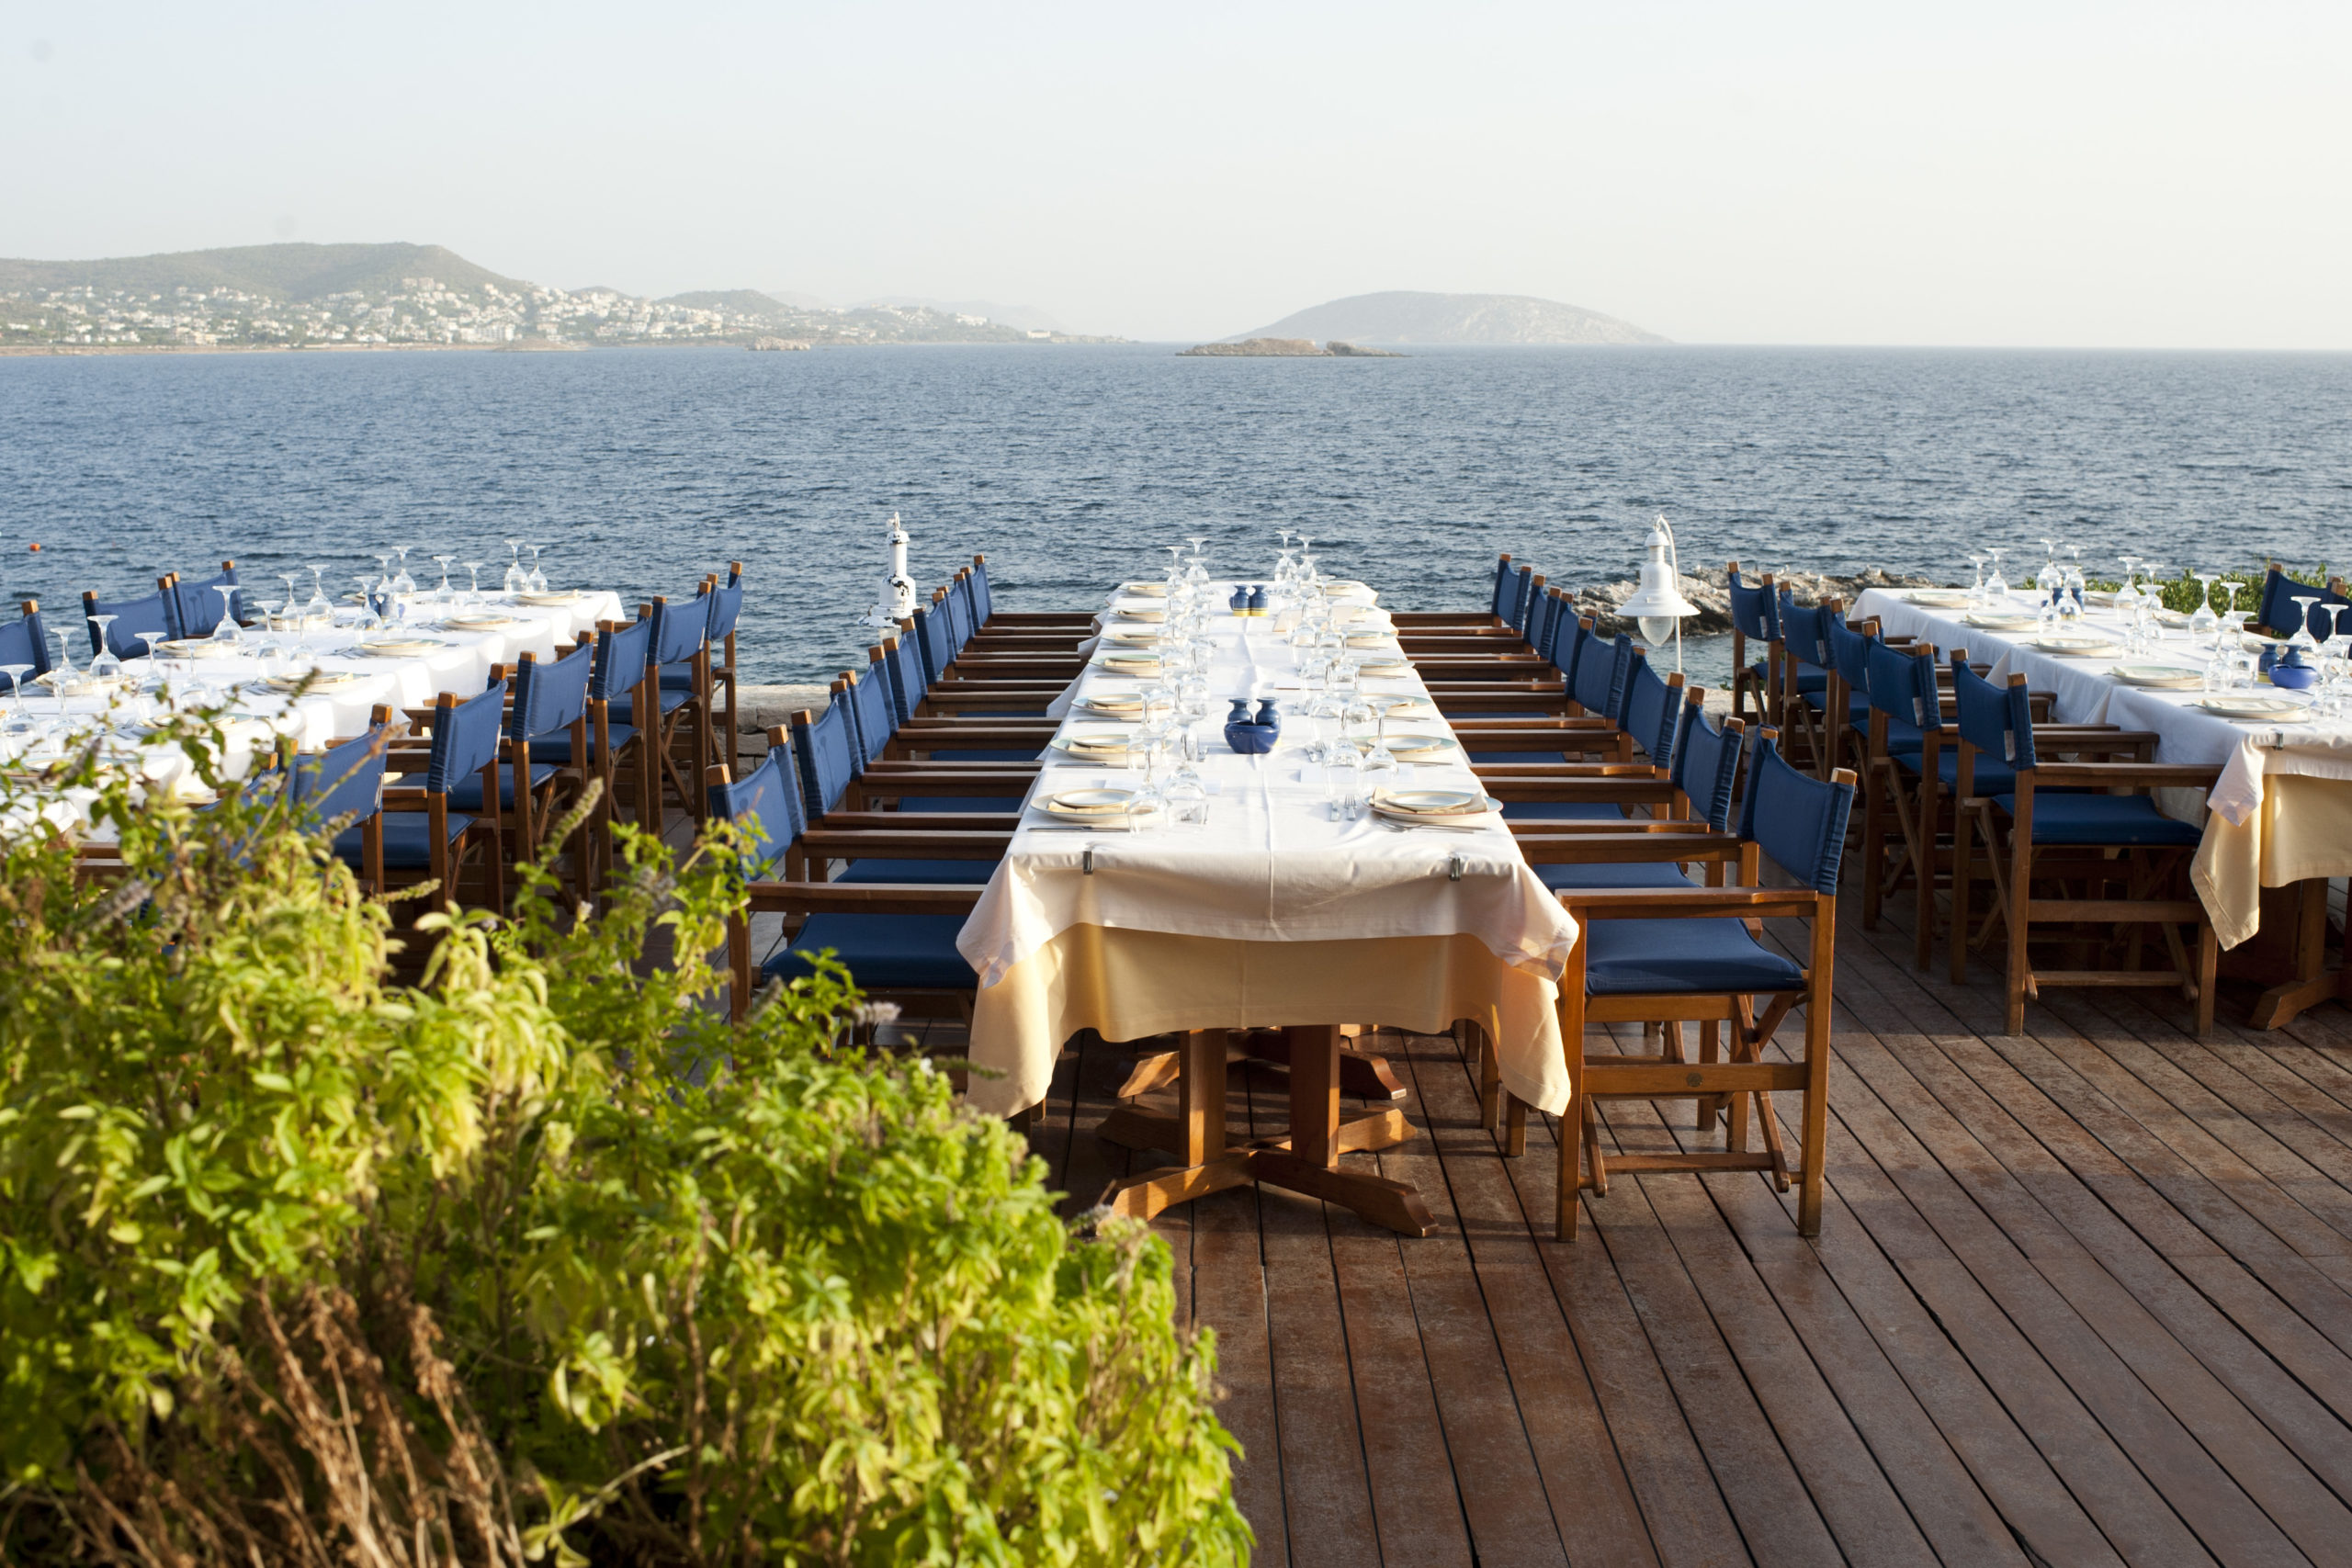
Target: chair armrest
x=1622 y=825
x=862 y=898
x=1635 y=791
x=1627 y=849
x=932 y=821
x=2155 y=775
x=920 y=843
x=1666 y=904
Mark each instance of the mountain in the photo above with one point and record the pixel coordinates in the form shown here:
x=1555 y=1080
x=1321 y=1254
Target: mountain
x=280 y=271
x=1028 y=318
x=799 y=300
x=1405 y=316
x=748 y=303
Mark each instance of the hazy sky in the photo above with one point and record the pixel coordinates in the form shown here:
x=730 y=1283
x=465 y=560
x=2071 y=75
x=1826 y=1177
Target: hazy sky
x=2143 y=174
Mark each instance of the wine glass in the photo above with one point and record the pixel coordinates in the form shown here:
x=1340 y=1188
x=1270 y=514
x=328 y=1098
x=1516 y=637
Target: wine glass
x=515 y=577
x=368 y=619
x=2202 y=621
x=1996 y=587
x=384 y=573
x=1976 y=588
x=16 y=674
x=403 y=583
x=319 y=609
x=226 y=632
x=441 y=594
x=288 y=578
x=1343 y=779
x=64 y=668
x=538 y=580
x=104 y=664
x=2303 y=637
x=473 y=591
x=2127 y=596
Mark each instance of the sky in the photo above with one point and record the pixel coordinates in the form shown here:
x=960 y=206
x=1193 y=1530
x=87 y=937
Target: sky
x=2142 y=175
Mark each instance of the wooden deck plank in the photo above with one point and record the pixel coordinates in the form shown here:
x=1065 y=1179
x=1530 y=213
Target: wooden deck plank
x=1592 y=1498
x=1230 y=1294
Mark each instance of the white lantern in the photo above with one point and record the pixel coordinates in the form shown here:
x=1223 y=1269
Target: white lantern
x=1657 y=605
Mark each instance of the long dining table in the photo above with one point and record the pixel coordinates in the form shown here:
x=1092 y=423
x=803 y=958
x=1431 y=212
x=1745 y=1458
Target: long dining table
x=1271 y=914
x=353 y=681
x=2279 y=816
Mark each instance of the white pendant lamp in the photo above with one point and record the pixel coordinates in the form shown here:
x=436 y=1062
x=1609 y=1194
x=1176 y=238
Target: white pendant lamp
x=1657 y=605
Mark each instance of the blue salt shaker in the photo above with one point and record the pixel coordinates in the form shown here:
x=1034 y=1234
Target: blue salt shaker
x=1241 y=601
x=2293 y=670
x=1257 y=602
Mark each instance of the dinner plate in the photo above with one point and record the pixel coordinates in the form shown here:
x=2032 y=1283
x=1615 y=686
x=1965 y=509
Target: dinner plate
x=2077 y=647
x=1096 y=744
x=193 y=648
x=1345 y=585
x=1089 y=802
x=1138 y=613
x=1410 y=745
x=1384 y=665
x=77 y=683
x=1118 y=707
x=1995 y=621
x=1145 y=590
x=2172 y=617
x=2277 y=710
x=1415 y=709
x=1132 y=663
x=2168 y=675
x=1373 y=640
x=398 y=647
x=570 y=596
x=477 y=623
x=1942 y=596
x=1432 y=802
x=1133 y=639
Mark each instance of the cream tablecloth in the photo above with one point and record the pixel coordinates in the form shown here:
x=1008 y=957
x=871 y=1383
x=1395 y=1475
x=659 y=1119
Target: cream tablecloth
x=1271 y=914
x=2258 y=833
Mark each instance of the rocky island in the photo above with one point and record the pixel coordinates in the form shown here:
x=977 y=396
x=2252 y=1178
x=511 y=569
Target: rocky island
x=1286 y=348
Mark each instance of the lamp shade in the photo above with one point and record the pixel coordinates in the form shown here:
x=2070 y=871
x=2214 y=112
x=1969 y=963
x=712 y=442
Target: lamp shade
x=1657 y=601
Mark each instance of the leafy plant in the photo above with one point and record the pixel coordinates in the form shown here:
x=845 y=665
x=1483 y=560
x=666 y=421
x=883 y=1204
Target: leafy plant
x=535 y=1260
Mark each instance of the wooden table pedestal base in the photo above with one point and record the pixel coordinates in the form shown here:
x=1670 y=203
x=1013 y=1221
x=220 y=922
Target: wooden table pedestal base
x=1306 y=1159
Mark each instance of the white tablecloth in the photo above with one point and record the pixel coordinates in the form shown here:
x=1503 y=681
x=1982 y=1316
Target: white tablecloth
x=1269 y=866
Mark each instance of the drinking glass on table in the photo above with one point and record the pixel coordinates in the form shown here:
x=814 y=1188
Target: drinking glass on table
x=403 y=583
x=320 y=608
x=441 y=594
x=2127 y=597
x=1996 y=587
x=227 y=633
x=368 y=619
x=16 y=674
x=104 y=665
x=538 y=580
x=292 y=597
x=1976 y=588
x=2301 y=636
x=516 y=581
x=473 y=588
x=2202 y=620
x=1343 y=781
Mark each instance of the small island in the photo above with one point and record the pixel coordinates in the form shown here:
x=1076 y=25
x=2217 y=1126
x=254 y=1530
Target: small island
x=1286 y=348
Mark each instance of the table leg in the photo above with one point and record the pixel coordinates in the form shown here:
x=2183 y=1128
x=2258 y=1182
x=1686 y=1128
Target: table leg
x=2311 y=982
x=1311 y=1164
x=1196 y=1136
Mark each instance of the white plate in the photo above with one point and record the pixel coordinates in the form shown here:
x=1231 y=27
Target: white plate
x=1373 y=639
x=1415 y=709
x=2077 y=647
x=1129 y=664
x=1384 y=665
x=1138 y=613
x=2163 y=675
x=1132 y=639
x=1432 y=802
x=1089 y=802
x=569 y=596
x=1992 y=621
x=1947 y=597
x=477 y=623
x=1410 y=746
x=400 y=647
x=1145 y=590
x=193 y=648
x=323 y=681
x=1097 y=745
x=1112 y=707
x=2277 y=710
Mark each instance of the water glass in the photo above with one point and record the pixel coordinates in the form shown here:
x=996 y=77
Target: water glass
x=1343 y=781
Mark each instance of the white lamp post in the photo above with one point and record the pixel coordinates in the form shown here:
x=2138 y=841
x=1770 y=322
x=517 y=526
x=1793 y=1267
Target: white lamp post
x=898 y=600
x=1657 y=605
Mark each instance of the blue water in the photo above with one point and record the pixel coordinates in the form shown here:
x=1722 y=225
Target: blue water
x=644 y=468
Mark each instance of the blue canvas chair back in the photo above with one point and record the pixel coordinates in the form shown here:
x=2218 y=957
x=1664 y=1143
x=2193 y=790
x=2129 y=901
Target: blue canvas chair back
x=765 y=806
x=962 y=588
x=193 y=609
x=907 y=684
x=959 y=625
x=678 y=631
x=464 y=738
x=1707 y=765
x=1594 y=678
x=1653 y=713
x=1568 y=647
x=726 y=606
x=1903 y=686
x=872 y=721
x=1753 y=610
x=2278 y=610
x=26 y=641
x=1992 y=717
x=1807 y=631
x=827 y=753
x=1522 y=589
x=621 y=655
x=342 y=781
x=1504 y=586
x=1851 y=650
x=1621 y=671
x=1797 y=820
x=138 y=624
x=1543 y=625
x=983 y=602
x=551 y=695
x=931 y=642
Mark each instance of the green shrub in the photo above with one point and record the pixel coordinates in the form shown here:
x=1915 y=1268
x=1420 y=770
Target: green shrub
x=537 y=1258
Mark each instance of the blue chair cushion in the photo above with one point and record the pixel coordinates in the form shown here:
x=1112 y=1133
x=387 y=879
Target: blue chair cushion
x=960 y=803
x=1562 y=811
x=623 y=710
x=1903 y=738
x=1637 y=874
x=1003 y=754
x=678 y=681
x=466 y=794
x=2103 y=819
x=1681 y=957
x=883 y=952
x=1992 y=777
x=953 y=873
x=408 y=841
x=1858 y=709
x=558 y=748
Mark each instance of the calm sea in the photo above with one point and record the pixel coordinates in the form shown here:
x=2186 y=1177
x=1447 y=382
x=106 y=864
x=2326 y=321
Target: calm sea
x=644 y=468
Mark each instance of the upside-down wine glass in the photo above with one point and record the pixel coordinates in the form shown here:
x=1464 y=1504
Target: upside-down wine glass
x=2303 y=637
x=64 y=671
x=515 y=577
x=292 y=596
x=104 y=664
x=441 y=594
x=16 y=674
x=2202 y=620
x=370 y=620
x=403 y=583
x=227 y=633
x=474 y=592
x=1996 y=587
x=2127 y=598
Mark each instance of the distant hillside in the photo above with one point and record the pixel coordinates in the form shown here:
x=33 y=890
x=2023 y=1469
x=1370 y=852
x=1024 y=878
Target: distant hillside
x=280 y=271
x=748 y=303
x=1028 y=318
x=1404 y=316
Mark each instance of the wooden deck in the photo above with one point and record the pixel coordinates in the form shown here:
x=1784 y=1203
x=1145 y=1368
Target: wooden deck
x=2081 y=1296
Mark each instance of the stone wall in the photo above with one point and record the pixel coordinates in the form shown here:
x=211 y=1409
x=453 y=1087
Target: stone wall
x=1710 y=589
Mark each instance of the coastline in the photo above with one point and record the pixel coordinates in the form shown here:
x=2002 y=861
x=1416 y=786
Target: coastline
x=65 y=350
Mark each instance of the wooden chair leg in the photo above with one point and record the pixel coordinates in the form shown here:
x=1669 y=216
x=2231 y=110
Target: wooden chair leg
x=2209 y=958
x=1963 y=857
